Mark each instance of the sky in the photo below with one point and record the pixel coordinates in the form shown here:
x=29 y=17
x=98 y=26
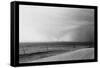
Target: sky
x=49 y=24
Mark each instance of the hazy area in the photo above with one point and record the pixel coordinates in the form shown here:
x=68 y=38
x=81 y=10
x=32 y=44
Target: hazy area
x=53 y=33
x=49 y=24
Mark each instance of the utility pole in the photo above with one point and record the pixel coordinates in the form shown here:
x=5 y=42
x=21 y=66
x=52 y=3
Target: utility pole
x=23 y=49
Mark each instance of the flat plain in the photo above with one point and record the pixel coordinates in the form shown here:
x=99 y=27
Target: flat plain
x=39 y=52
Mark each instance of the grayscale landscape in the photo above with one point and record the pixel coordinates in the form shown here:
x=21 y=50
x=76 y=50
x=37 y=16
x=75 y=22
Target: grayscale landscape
x=55 y=34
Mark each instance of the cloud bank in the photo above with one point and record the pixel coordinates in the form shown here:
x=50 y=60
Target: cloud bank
x=48 y=24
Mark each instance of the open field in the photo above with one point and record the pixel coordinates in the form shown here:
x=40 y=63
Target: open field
x=81 y=54
x=29 y=52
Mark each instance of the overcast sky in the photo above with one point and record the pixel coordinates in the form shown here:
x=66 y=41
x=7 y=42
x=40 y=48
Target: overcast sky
x=47 y=24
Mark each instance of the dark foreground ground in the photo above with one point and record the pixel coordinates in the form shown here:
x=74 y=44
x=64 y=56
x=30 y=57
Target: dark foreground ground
x=36 y=52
